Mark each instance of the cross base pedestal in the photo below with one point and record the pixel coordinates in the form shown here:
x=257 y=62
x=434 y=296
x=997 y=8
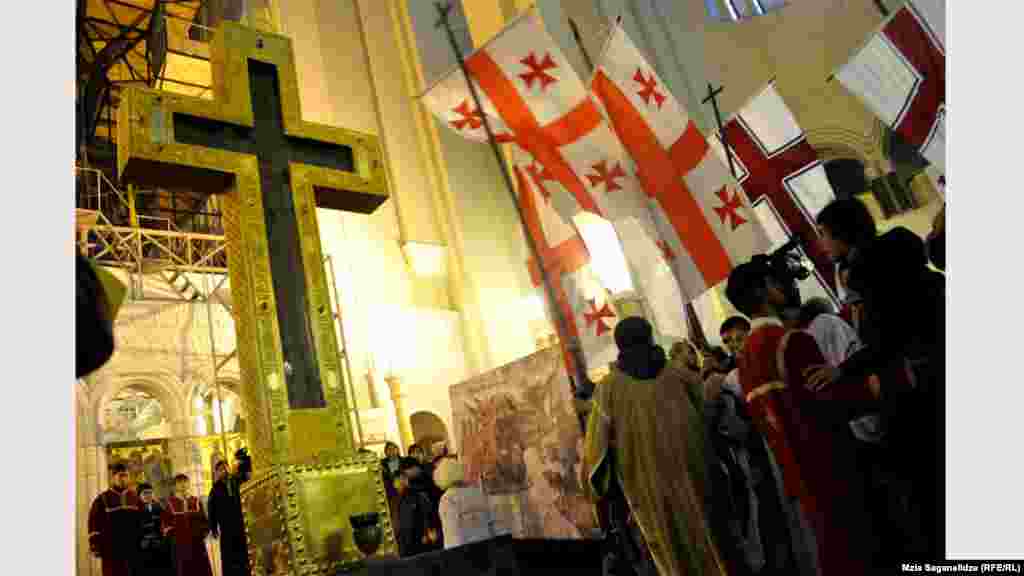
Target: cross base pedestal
x=297 y=517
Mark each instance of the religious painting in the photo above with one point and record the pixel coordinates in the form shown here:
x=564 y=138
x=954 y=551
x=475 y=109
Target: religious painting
x=520 y=437
x=147 y=461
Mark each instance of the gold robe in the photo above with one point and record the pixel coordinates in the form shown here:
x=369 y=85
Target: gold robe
x=650 y=435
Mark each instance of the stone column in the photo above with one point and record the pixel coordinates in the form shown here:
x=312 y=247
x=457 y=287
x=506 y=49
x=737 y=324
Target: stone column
x=398 y=397
x=93 y=478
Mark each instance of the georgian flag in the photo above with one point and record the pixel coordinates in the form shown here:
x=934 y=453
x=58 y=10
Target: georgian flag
x=593 y=314
x=705 y=225
x=565 y=150
x=585 y=304
x=900 y=75
x=610 y=178
x=532 y=95
x=783 y=179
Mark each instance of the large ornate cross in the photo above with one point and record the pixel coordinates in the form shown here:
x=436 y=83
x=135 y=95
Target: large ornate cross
x=251 y=144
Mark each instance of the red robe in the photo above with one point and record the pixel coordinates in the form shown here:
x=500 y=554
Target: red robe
x=115 y=530
x=808 y=435
x=186 y=522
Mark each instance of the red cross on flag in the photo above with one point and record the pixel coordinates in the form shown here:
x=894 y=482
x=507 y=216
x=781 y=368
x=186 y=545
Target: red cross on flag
x=532 y=96
x=900 y=75
x=584 y=303
x=783 y=179
x=593 y=315
x=704 y=224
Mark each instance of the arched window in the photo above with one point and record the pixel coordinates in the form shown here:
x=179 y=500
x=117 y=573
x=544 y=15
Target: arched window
x=736 y=10
x=132 y=415
x=213 y=412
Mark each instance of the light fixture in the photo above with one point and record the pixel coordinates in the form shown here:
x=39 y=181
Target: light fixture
x=607 y=257
x=736 y=10
x=425 y=259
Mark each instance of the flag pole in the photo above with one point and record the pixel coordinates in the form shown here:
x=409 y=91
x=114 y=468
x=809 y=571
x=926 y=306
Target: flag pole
x=582 y=384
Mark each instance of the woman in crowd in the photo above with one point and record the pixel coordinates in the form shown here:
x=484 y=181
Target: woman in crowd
x=465 y=511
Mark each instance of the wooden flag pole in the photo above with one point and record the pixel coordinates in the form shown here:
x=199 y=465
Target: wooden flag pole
x=582 y=384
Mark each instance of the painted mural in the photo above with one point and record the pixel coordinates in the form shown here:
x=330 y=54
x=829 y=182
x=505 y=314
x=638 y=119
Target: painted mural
x=519 y=436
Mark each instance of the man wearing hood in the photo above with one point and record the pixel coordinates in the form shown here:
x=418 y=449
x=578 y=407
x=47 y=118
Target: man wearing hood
x=646 y=433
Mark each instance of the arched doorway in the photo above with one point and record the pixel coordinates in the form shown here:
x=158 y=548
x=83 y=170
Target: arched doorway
x=428 y=429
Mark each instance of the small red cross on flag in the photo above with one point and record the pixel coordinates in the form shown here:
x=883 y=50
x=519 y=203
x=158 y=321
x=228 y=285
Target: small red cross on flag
x=538 y=71
x=650 y=88
x=729 y=208
x=605 y=176
x=540 y=174
x=469 y=117
x=595 y=317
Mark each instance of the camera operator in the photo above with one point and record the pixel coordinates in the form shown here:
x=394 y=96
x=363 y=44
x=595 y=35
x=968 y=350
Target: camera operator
x=226 y=520
x=801 y=427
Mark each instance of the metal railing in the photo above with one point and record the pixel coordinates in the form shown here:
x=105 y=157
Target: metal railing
x=137 y=248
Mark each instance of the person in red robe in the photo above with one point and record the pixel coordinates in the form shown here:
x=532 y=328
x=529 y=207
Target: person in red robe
x=185 y=522
x=805 y=430
x=114 y=525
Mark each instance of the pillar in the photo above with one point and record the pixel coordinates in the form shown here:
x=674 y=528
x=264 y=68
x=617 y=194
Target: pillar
x=93 y=478
x=401 y=414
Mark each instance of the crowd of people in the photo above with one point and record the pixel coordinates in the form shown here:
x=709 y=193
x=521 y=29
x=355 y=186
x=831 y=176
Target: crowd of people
x=814 y=445
x=135 y=534
x=432 y=504
x=432 y=507
x=811 y=444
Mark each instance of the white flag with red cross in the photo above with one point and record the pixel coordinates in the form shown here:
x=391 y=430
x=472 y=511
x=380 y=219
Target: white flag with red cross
x=584 y=303
x=573 y=157
x=784 y=180
x=532 y=97
x=705 y=224
x=593 y=315
x=900 y=75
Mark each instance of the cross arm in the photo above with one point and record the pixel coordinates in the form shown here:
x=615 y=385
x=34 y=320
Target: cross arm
x=147 y=153
x=363 y=189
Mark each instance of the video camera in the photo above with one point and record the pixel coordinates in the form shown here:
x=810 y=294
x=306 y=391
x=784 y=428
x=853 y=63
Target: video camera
x=786 y=267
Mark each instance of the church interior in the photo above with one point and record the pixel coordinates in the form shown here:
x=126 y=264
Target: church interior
x=420 y=269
